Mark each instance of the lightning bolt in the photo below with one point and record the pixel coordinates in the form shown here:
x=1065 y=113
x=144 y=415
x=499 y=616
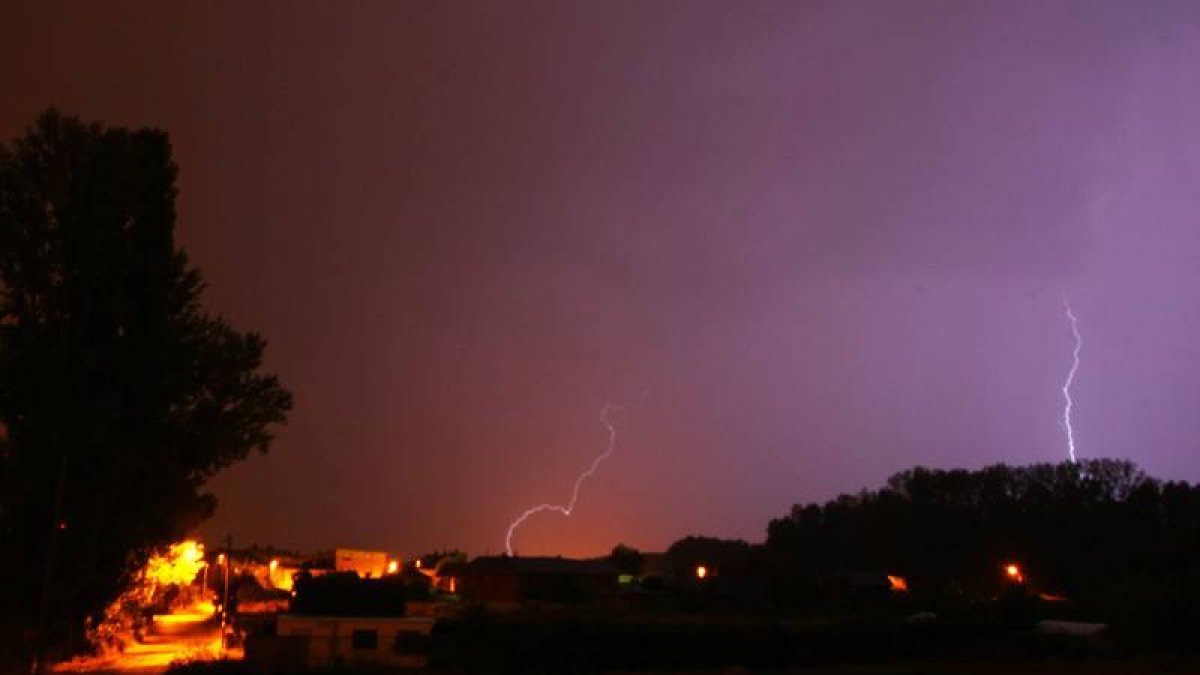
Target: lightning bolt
x=566 y=510
x=1066 y=388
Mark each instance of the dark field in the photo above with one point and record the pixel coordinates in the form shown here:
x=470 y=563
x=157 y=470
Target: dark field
x=1139 y=666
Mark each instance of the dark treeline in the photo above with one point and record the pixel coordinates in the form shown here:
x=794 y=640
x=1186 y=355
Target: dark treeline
x=1098 y=540
x=1115 y=544
x=1075 y=529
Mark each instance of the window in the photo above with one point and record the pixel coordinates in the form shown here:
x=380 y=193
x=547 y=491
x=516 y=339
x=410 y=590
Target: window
x=364 y=639
x=411 y=642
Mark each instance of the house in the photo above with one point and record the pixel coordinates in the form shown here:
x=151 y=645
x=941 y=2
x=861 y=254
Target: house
x=339 y=618
x=510 y=582
x=318 y=641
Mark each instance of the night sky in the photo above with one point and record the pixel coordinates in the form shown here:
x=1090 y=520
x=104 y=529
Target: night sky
x=829 y=241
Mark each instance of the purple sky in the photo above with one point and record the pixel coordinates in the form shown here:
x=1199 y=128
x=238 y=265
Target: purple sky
x=832 y=239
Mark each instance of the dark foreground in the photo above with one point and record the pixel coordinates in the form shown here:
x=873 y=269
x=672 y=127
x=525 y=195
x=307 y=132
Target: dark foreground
x=730 y=645
x=1136 y=666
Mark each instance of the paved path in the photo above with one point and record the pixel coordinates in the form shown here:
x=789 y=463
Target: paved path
x=171 y=638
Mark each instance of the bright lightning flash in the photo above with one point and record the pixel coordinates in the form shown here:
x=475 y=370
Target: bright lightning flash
x=570 y=506
x=1066 y=389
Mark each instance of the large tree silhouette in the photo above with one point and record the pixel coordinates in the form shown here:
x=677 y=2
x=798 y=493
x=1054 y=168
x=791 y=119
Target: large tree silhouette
x=119 y=395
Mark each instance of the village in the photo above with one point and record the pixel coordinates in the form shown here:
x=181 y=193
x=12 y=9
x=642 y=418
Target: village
x=280 y=611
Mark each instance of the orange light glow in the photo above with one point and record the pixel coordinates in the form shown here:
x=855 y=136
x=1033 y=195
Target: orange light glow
x=701 y=572
x=1013 y=572
x=220 y=558
x=274 y=564
x=179 y=564
x=393 y=566
x=192 y=618
x=418 y=563
x=152 y=656
x=184 y=631
x=897 y=583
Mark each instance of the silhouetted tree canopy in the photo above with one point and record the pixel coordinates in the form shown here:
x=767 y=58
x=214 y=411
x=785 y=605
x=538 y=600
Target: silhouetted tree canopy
x=1076 y=529
x=346 y=594
x=435 y=560
x=626 y=559
x=119 y=395
x=727 y=557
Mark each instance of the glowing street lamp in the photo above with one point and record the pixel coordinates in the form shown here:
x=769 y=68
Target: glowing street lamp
x=224 y=561
x=1013 y=573
x=192 y=551
x=701 y=572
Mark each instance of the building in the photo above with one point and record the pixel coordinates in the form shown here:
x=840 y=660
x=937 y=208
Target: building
x=366 y=564
x=339 y=618
x=510 y=582
x=318 y=641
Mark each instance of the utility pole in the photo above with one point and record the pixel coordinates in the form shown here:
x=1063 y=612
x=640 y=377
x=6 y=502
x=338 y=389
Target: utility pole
x=57 y=523
x=225 y=594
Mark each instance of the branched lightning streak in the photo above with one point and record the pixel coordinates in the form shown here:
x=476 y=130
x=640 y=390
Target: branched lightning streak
x=1066 y=389
x=591 y=470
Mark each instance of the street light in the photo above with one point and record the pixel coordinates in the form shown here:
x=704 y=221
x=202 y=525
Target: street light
x=1014 y=574
x=224 y=560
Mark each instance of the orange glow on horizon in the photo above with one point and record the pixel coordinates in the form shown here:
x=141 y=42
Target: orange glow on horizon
x=897 y=583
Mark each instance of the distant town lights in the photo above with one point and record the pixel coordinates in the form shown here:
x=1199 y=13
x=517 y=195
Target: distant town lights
x=393 y=566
